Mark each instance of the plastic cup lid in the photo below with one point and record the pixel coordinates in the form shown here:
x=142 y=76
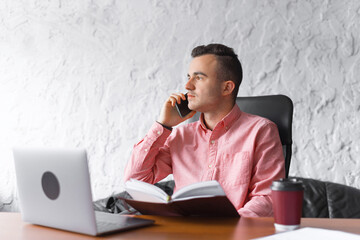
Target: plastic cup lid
x=287 y=184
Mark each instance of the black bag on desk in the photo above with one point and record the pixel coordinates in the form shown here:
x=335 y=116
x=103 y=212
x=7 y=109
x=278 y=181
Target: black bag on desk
x=116 y=205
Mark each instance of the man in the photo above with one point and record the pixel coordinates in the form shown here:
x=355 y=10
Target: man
x=241 y=151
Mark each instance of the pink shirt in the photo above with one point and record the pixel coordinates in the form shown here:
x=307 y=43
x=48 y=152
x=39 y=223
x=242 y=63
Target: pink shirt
x=243 y=153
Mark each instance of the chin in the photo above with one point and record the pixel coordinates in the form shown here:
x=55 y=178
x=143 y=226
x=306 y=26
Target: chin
x=192 y=107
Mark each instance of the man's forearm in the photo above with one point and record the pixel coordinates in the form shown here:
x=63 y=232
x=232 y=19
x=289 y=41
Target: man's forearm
x=259 y=206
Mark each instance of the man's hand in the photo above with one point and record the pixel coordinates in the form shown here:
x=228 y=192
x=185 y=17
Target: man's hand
x=169 y=115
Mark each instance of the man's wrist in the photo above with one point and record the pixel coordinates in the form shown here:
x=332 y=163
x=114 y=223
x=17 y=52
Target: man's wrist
x=167 y=127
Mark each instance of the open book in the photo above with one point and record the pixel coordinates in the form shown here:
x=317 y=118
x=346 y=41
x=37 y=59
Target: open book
x=198 y=199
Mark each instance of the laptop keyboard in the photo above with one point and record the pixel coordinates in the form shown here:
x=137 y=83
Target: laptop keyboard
x=108 y=222
x=103 y=226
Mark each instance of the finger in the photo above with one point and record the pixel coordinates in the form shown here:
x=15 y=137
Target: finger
x=183 y=96
x=172 y=100
x=177 y=96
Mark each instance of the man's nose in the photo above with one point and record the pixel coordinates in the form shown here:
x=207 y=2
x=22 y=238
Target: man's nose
x=189 y=85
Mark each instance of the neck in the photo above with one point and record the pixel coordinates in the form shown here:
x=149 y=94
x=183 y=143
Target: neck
x=212 y=118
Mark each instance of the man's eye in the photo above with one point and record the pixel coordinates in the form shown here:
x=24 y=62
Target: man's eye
x=198 y=77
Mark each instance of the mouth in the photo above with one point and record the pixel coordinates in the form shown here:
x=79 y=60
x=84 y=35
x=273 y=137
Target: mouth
x=190 y=95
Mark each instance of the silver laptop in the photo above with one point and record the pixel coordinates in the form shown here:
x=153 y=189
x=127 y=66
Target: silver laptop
x=54 y=191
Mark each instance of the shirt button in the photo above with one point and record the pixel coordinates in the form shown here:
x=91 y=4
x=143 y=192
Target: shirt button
x=210 y=166
x=145 y=150
x=212 y=141
x=158 y=132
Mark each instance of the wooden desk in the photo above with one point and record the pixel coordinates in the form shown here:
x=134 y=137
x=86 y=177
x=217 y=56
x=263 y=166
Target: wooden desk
x=12 y=227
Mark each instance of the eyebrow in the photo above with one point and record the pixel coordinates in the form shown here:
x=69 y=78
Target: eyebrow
x=198 y=73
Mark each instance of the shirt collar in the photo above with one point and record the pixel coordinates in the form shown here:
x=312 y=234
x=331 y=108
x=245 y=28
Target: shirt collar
x=227 y=121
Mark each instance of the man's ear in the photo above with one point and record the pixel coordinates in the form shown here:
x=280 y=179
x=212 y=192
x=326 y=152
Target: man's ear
x=228 y=87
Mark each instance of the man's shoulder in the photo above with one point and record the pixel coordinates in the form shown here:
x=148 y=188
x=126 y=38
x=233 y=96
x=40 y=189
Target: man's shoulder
x=255 y=120
x=187 y=127
x=185 y=130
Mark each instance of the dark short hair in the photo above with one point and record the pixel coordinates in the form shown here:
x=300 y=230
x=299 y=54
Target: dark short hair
x=228 y=64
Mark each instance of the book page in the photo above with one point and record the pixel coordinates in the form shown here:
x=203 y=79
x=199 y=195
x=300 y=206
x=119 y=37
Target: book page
x=146 y=192
x=200 y=189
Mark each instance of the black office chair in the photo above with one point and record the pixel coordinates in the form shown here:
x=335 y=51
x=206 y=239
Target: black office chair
x=278 y=109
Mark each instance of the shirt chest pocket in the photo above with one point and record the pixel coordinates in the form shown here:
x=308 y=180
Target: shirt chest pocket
x=235 y=168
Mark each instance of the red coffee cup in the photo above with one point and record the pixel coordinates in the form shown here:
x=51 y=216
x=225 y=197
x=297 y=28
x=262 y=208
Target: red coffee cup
x=287 y=196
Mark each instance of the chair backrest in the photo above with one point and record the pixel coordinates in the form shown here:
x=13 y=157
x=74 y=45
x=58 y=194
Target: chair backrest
x=278 y=109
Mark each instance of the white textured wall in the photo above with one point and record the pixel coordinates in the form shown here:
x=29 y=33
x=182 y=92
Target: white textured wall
x=94 y=74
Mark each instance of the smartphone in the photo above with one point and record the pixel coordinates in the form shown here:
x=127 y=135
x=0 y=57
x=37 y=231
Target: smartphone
x=183 y=108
